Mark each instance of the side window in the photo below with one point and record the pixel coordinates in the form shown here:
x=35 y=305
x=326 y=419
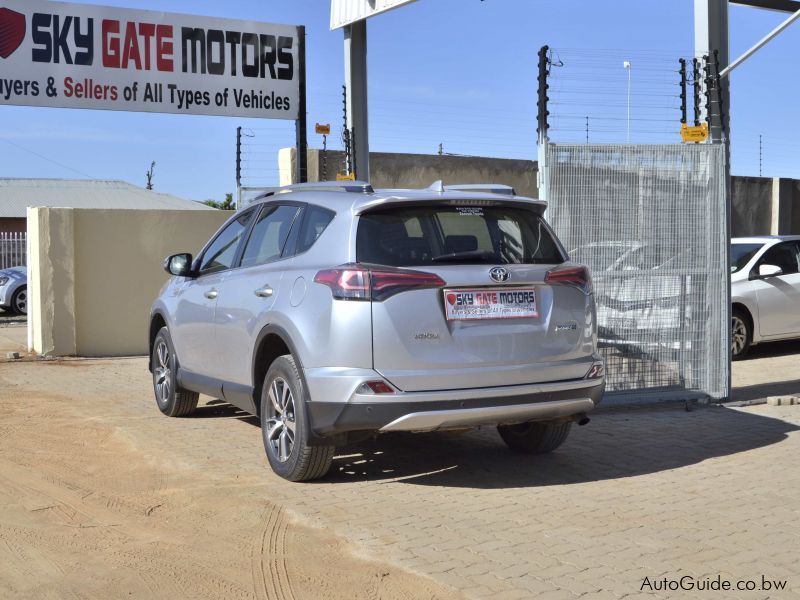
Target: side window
x=269 y=235
x=222 y=251
x=783 y=256
x=317 y=219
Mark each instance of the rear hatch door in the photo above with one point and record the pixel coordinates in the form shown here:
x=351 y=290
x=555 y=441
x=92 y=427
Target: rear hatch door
x=495 y=321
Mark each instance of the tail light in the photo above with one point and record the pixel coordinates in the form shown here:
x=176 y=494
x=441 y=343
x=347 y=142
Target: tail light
x=597 y=371
x=571 y=275
x=357 y=282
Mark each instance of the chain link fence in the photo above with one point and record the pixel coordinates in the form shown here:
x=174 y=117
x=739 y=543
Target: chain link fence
x=650 y=222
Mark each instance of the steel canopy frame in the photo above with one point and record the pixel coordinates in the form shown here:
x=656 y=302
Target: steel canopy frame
x=711 y=35
x=761 y=43
x=355 y=73
x=788 y=6
x=352 y=15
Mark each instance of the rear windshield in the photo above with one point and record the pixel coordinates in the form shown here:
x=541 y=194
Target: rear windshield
x=424 y=235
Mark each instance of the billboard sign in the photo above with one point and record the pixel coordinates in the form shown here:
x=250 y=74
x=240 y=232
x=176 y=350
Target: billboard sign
x=84 y=56
x=345 y=12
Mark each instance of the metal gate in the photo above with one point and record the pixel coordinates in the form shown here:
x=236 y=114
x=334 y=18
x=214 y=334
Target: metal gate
x=13 y=250
x=651 y=223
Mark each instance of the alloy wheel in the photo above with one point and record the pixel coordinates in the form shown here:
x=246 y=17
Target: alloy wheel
x=280 y=422
x=21 y=302
x=738 y=336
x=163 y=373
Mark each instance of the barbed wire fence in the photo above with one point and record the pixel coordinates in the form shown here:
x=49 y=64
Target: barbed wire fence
x=646 y=214
x=614 y=96
x=588 y=103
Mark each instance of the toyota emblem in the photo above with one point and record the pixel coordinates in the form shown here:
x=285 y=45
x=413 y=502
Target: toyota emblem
x=499 y=274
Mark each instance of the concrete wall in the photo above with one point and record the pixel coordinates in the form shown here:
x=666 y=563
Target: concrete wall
x=792 y=221
x=390 y=170
x=751 y=206
x=760 y=205
x=94 y=273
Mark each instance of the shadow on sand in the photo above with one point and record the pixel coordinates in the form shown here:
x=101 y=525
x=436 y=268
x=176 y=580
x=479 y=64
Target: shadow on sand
x=619 y=442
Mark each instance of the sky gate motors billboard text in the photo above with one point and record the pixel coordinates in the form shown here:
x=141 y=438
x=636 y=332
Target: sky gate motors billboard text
x=82 y=56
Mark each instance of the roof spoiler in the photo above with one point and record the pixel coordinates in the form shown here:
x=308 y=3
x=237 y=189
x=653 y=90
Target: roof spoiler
x=488 y=188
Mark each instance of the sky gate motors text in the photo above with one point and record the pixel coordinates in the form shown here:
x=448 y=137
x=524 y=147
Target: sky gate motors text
x=150 y=46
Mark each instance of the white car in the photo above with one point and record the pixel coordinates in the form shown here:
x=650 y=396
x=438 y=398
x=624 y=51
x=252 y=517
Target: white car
x=765 y=290
x=641 y=312
x=14 y=290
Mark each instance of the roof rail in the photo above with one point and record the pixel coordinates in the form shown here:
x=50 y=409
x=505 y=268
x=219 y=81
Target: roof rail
x=491 y=188
x=357 y=187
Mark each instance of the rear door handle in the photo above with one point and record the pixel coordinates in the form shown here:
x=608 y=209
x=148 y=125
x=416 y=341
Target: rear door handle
x=264 y=292
x=211 y=294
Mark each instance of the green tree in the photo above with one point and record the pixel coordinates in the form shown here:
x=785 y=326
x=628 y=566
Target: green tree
x=149 y=175
x=226 y=205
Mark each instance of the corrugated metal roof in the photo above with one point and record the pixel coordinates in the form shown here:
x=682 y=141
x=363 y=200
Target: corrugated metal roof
x=16 y=195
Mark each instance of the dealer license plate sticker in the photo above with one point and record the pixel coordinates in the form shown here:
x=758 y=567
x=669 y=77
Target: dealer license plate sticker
x=501 y=303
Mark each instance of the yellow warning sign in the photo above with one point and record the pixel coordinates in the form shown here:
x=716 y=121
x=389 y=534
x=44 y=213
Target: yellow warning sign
x=323 y=129
x=345 y=177
x=695 y=133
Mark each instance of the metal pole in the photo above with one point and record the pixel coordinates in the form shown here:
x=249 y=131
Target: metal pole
x=696 y=89
x=300 y=124
x=682 y=62
x=710 y=34
x=627 y=66
x=238 y=157
x=355 y=72
x=761 y=43
x=324 y=158
x=542 y=125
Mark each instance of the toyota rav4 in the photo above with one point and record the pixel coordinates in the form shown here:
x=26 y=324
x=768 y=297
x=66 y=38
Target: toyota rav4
x=335 y=312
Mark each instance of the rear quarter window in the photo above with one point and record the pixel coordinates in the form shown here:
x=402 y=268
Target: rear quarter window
x=412 y=236
x=315 y=222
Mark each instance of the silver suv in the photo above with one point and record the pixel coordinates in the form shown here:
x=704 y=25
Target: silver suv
x=335 y=312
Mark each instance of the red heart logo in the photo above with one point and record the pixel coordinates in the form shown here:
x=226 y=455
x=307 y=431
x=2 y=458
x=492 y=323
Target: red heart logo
x=451 y=298
x=12 y=31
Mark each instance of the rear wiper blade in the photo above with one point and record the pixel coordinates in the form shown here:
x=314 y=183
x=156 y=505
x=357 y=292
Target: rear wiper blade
x=463 y=256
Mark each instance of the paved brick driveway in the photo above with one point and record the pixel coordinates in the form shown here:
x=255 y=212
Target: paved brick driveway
x=637 y=493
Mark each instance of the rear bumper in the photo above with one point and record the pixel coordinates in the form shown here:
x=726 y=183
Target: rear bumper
x=429 y=411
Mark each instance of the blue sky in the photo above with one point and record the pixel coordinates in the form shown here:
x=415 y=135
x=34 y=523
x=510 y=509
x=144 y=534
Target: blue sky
x=457 y=72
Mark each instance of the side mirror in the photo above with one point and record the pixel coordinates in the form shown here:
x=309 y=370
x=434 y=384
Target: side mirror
x=179 y=265
x=769 y=271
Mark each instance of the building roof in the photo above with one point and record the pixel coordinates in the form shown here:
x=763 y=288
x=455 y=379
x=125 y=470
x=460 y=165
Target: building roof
x=16 y=195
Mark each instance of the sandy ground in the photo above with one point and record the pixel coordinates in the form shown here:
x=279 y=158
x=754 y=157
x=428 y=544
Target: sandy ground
x=86 y=514
x=103 y=497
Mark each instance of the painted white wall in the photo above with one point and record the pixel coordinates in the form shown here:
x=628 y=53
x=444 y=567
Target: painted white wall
x=94 y=273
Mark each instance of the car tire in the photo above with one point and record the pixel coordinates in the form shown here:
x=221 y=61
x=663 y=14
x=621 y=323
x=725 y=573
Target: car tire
x=172 y=400
x=741 y=334
x=534 y=438
x=19 y=301
x=284 y=427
